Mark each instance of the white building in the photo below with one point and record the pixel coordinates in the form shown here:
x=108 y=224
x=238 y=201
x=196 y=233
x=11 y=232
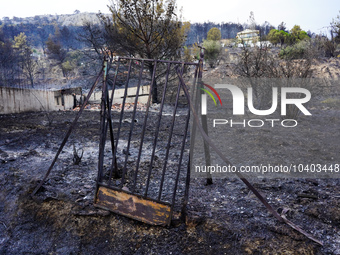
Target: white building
x=248 y=37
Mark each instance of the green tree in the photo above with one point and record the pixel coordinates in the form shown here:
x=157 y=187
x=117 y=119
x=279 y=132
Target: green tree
x=275 y=37
x=297 y=34
x=147 y=29
x=70 y=64
x=212 y=46
x=212 y=51
x=214 y=34
x=20 y=41
x=297 y=51
x=283 y=37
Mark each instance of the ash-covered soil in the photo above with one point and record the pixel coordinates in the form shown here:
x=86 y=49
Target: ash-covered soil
x=223 y=218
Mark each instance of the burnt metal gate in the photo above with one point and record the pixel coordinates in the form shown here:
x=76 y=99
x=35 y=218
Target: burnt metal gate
x=144 y=161
x=143 y=166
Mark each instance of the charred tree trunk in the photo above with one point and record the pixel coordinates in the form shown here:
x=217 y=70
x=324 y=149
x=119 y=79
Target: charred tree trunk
x=154 y=85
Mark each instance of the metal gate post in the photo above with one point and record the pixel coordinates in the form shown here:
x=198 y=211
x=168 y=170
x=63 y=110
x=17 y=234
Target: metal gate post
x=204 y=118
x=102 y=124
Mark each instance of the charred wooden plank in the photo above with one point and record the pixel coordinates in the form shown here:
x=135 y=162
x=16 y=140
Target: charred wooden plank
x=133 y=206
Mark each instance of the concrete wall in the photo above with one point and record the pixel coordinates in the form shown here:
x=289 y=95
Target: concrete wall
x=15 y=100
x=119 y=95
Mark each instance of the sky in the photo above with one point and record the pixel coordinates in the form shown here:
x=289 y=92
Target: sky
x=313 y=15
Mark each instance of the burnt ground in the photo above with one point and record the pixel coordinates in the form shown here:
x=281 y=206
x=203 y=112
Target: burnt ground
x=223 y=218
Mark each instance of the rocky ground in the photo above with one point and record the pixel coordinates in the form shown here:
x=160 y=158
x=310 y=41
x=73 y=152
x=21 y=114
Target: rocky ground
x=223 y=218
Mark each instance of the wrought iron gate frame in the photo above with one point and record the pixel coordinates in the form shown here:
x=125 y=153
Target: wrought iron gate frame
x=107 y=196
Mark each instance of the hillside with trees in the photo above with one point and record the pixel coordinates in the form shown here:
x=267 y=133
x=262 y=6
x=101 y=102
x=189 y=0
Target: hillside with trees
x=67 y=49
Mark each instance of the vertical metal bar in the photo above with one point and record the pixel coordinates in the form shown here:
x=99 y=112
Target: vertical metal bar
x=194 y=86
x=145 y=121
x=103 y=126
x=192 y=144
x=180 y=163
x=114 y=82
x=132 y=123
x=169 y=142
x=109 y=122
x=114 y=165
x=121 y=114
x=194 y=99
x=157 y=129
